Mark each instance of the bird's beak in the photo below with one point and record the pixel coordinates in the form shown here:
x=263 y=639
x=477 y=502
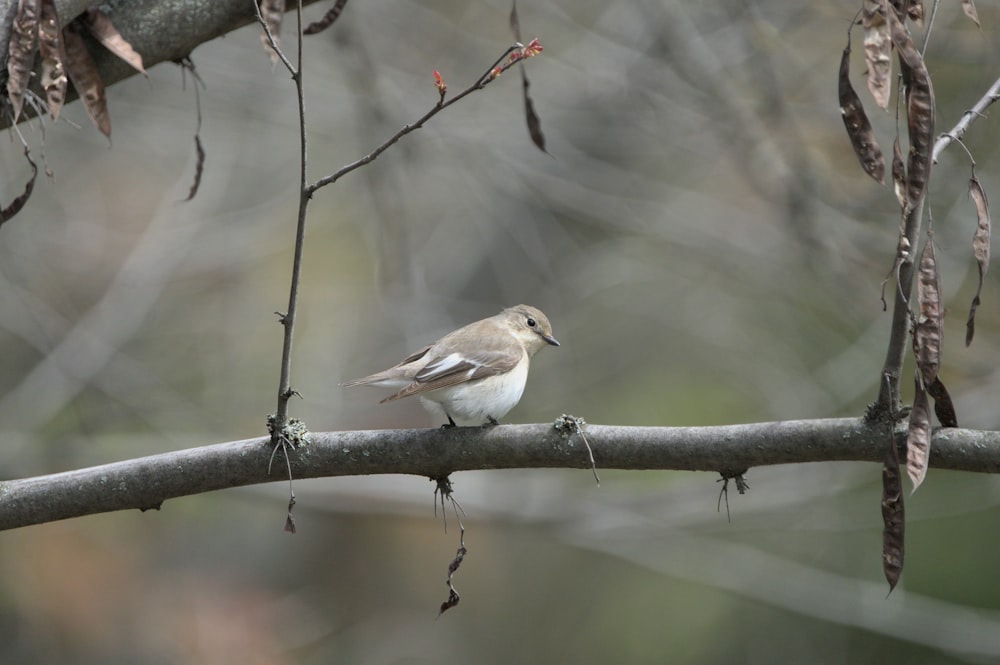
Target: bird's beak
x=550 y=339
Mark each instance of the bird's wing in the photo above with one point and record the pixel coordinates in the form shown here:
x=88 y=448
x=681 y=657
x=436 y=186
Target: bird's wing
x=394 y=373
x=456 y=368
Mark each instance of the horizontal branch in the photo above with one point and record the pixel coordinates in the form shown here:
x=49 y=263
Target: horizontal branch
x=146 y=482
x=160 y=30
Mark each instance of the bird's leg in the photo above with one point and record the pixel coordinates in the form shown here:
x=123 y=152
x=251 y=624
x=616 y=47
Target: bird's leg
x=450 y=424
x=490 y=422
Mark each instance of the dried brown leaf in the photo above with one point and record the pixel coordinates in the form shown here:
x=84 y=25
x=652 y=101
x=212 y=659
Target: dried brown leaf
x=104 y=30
x=859 y=128
x=944 y=408
x=878 y=51
x=50 y=47
x=86 y=79
x=899 y=174
x=980 y=249
x=327 y=20
x=7 y=212
x=919 y=111
x=915 y=11
x=21 y=53
x=918 y=437
x=534 y=123
x=930 y=317
x=273 y=12
x=893 y=516
x=969 y=7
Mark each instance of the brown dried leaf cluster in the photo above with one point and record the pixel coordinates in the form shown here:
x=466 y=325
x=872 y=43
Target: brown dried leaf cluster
x=64 y=57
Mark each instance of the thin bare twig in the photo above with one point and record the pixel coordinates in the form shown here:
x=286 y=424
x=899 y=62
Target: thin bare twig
x=958 y=131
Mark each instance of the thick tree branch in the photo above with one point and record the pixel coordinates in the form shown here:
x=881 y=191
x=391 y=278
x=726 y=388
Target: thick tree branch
x=146 y=482
x=160 y=30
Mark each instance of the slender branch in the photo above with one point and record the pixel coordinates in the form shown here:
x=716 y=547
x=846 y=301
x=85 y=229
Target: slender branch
x=958 y=131
x=147 y=482
x=285 y=391
x=480 y=83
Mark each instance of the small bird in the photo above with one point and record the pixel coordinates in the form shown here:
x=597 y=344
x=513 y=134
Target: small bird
x=475 y=374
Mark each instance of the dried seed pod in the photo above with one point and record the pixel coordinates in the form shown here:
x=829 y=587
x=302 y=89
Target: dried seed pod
x=50 y=47
x=104 y=30
x=930 y=317
x=21 y=53
x=944 y=408
x=918 y=437
x=859 y=128
x=86 y=79
x=893 y=516
x=980 y=249
x=919 y=111
x=878 y=51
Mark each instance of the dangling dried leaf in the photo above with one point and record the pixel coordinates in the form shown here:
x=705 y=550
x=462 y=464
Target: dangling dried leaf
x=944 y=409
x=919 y=111
x=899 y=174
x=893 y=516
x=859 y=128
x=980 y=249
x=101 y=27
x=86 y=79
x=21 y=53
x=515 y=21
x=50 y=47
x=534 y=124
x=878 y=51
x=918 y=438
x=327 y=20
x=969 y=7
x=930 y=317
x=7 y=212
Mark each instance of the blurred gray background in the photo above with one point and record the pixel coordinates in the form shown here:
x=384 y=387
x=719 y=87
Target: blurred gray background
x=703 y=240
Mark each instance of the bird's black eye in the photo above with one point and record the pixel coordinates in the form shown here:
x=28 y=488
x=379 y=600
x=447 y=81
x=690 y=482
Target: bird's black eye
x=530 y=322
